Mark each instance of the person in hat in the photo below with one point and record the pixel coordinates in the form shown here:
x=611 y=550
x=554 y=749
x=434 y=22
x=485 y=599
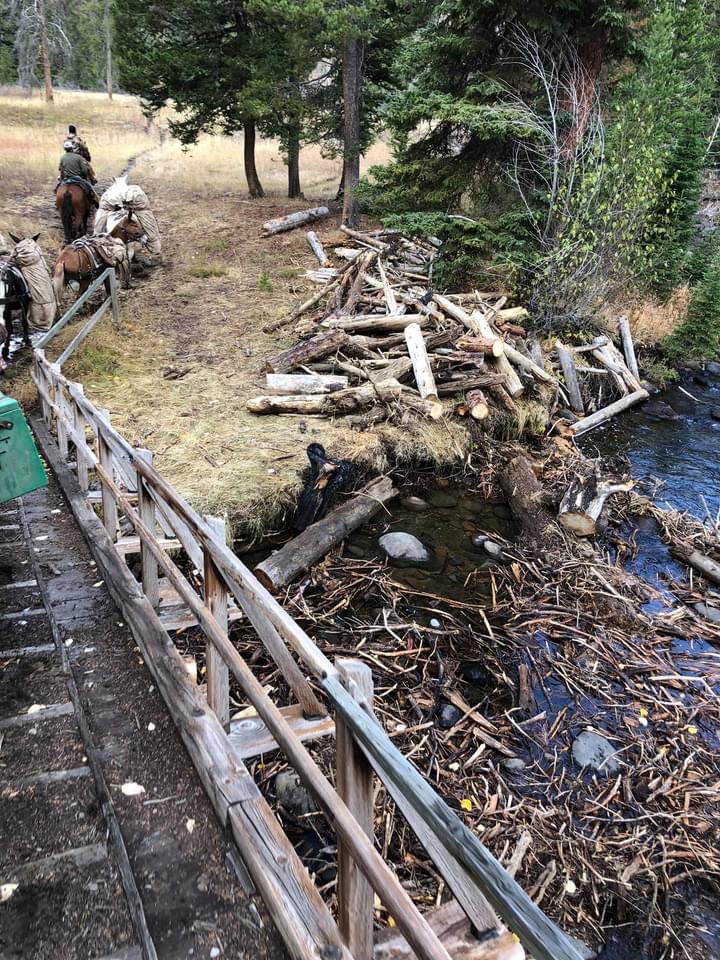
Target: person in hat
x=74 y=167
x=79 y=145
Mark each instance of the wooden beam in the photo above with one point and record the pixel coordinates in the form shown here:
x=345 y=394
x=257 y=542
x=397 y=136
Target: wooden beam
x=218 y=675
x=567 y=363
x=146 y=510
x=109 y=507
x=628 y=346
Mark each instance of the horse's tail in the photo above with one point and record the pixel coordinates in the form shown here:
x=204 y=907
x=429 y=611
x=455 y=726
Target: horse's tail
x=66 y=215
x=58 y=281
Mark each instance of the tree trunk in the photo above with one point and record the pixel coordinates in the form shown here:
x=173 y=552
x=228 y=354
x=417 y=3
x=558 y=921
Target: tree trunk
x=108 y=51
x=352 y=70
x=255 y=188
x=45 y=50
x=294 y=189
x=583 y=502
x=525 y=499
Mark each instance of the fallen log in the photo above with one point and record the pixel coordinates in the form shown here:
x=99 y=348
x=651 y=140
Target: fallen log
x=709 y=568
x=583 y=502
x=363 y=265
x=308 y=304
x=527 y=363
x=364 y=238
x=317 y=248
x=299 y=554
x=607 y=413
x=395 y=370
x=389 y=294
x=297 y=383
x=513 y=384
x=628 y=346
x=489 y=381
x=501 y=397
x=293 y=220
x=329 y=404
x=477 y=404
x=513 y=329
x=376 y=321
x=305 y=351
x=525 y=498
x=420 y=362
x=512 y=313
x=567 y=364
x=624 y=379
x=488 y=346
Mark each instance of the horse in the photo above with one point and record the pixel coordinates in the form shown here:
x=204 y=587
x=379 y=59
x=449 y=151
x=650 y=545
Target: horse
x=75 y=206
x=14 y=296
x=81 y=262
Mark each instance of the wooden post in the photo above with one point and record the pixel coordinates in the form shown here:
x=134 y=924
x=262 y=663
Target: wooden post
x=567 y=362
x=59 y=397
x=109 y=507
x=628 y=346
x=355 y=787
x=114 y=298
x=82 y=465
x=146 y=509
x=218 y=675
x=420 y=361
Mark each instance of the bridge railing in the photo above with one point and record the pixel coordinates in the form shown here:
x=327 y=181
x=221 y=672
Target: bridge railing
x=486 y=898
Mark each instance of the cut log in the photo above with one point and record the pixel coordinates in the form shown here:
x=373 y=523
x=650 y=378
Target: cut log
x=364 y=238
x=347 y=253
x=477 y=404
x=513 y=384
x=339 y=402
x=488 y=381
x=583 y=502
x=395 y=370
x=525 y=498
x=296 y=383
x=317 y=248
x=428 y=407
x=293 y=220
x=455 y=311
x=360 y=268
x=527 y=363
x=377 y=321
x=514 y=330
x=536 y=353
x=628 y=346
x=390 y=301
x=610 y=357
x=488 y=346
x=318 y=346
x=511 y=314
x=299 y=554
x=420 y=362
x=607 y=413
x=501 y=397
x=567 y=364
x=709 y=568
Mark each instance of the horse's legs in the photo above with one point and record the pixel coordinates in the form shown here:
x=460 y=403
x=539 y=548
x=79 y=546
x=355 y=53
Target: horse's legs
x=7 y=321
x=24 y=317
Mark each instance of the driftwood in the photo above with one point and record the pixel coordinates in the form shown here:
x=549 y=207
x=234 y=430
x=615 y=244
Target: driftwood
x=420 y=362
x=296 y=383
x=609 y=356
x=583 y=502
x=567 y=364
x=342 y=401
x=317 y=248
x=377 y=321
x=312 y=544
x=524 y=495
x=305 y=351
x=709 y=568
x=607 y=413
x=513 y=384
x=293 y=220
x=488 y=346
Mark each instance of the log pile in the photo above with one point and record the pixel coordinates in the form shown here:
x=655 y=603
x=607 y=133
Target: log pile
x=400 y=347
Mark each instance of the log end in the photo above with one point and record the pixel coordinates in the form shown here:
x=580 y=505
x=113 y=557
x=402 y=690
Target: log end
x=498 y=348
x=578 y=523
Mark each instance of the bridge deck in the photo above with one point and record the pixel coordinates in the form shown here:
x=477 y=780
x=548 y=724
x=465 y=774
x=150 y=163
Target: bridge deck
x=79 y=718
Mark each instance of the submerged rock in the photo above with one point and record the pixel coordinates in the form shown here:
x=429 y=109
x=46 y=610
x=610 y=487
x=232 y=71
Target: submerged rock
x=438 y=498
x=514 y=763
x=713 y=368
x=292 y=794
x=416 y=504
x=715 y=413
x=659 y=410
x=591 y=750
x=447 y=716
x=404 y=547
x=491 y=548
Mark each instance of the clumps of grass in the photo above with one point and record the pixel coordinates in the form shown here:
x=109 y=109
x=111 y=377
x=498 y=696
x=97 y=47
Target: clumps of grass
x=97 y=360
x=658 y=372
x=216 y=245
x=264 y=283
x=205 y=270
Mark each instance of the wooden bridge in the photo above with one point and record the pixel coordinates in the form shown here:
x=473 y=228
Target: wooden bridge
x=105 y=479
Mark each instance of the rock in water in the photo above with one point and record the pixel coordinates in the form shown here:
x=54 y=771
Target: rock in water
x=416 y=504
x=715 y=413
x=292 y=794
x=445 y=501
x=591 y=750
x=473 y=672
x=491 y=548
x=659 y=410
x=713 y=368
x=447 y=716
x=404 y=548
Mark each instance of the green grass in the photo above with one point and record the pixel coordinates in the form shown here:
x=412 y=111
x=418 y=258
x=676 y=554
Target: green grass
x=265 y=283
x=203 y=271
x=216 y=245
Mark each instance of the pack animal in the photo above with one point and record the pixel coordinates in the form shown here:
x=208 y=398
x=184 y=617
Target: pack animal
x=14 y=298
x=85 y=259
x=74 y=205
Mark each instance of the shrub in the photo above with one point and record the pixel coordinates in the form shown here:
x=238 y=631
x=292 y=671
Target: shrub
x=698 y=337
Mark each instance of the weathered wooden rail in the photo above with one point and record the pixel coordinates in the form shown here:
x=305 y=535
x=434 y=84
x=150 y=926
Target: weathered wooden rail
x=127 y=484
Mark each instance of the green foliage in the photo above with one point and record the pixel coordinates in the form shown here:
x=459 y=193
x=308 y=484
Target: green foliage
x=660 y=373
x=204 y=270
x=265 y=283
x=698 y=337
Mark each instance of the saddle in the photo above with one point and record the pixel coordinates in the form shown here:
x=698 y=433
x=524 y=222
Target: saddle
x=22 y=286
x=80 y=182
x=99 y=255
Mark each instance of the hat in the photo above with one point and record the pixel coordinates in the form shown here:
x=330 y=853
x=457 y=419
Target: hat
x=71 y=128
x=68 y=145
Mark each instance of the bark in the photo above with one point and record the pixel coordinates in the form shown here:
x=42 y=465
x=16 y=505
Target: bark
x=477 y=404
x=583 y=502
x=293 y=220
x=305 y=351
x=294 y=188
x=607 y=413
x=296 y=383
x=45 y=50
x=352 y=71
x=108 y=51
x=525 y=498
x=317 y=248
x=488 y=346
x=312 y=544
x=255 y=188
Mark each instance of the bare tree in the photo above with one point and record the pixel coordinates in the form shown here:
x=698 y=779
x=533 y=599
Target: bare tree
x=352 y=67
x=39 y=34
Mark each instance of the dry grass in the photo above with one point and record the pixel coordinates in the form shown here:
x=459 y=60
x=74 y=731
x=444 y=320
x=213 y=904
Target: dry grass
x=651 y=322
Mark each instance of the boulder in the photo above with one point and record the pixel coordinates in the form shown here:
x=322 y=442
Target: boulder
x=592 y=750
x=713 y=368
x=659 y=410
x=404 y=548
x=416 y=504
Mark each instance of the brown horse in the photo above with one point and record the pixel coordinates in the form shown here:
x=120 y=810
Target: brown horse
x=74 y=206
x=82 y=262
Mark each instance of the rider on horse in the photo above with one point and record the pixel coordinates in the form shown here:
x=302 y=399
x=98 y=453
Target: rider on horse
x=79 y=145
x=74 y=167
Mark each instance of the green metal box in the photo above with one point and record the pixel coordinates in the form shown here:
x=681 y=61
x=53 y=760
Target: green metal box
x=20 y=468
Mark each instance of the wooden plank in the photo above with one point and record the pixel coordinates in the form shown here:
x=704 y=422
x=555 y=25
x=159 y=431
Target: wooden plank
x=51 y=712
x=109 y=507
x=85 y=856
x=146 y=510
x=354 y=779
x=80 y=444
x=251 y=737
x=131 y=544
x=46 y=777
x=69 y=314
x=218 y=675
x=274 y=870
x=61 y=427
x=83 y=333
x=41 y=650
x=536 y=931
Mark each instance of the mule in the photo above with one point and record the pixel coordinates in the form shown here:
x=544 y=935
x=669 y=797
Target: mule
x=75 y=207
x=79 y=262
x=14 y=297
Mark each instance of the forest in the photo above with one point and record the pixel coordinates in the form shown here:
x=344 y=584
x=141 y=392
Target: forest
x=560 y=151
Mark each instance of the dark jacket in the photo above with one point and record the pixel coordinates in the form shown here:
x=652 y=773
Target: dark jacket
x=73 y=165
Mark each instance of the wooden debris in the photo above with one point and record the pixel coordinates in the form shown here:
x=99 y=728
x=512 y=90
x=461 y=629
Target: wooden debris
x=489 y=346
x=628 y=346
x=420 y=362
x=572 y=386
x=709 y=568
x=305 y=351
x=607 y=413
x=289 y=383
x=477 y=404
x=583 y=502
x=293 y=220
x=317 y=248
